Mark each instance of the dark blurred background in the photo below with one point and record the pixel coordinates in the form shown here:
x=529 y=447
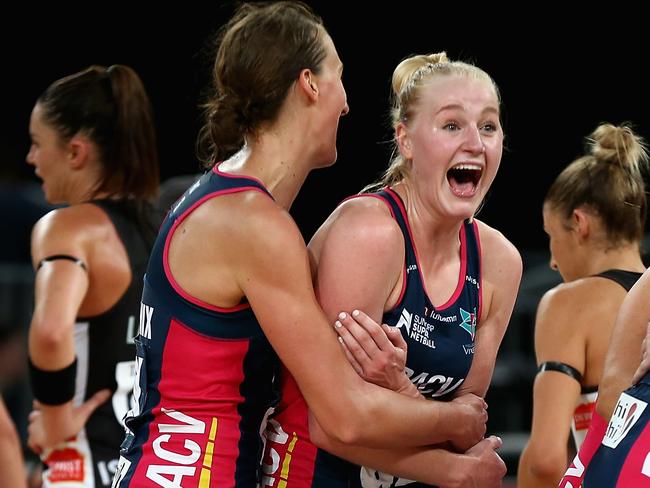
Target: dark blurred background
x=559 y=78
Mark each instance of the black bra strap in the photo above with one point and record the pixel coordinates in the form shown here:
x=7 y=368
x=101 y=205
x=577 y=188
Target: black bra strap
x=561 y=368
x=66 y=257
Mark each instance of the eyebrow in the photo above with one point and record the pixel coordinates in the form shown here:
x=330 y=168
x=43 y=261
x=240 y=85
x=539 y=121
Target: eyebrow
x=456 y=106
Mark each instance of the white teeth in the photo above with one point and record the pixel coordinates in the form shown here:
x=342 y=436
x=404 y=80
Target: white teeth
x=475 y=167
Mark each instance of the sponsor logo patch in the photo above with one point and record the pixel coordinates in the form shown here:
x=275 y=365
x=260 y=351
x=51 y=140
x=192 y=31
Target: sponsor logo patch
x=469 y=321
x=627 y=412
x=65 y=465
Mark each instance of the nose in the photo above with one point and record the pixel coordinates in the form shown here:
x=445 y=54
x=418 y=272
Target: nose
x=474 y=141
x=346 y=109
x=30 y=155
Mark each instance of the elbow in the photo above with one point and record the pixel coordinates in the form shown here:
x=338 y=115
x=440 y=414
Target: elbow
x=548 y=468
x=319 y=439
x=344 y=432
x=47 y=336
x=350 y=433
x=318 y=436
x=341 y=425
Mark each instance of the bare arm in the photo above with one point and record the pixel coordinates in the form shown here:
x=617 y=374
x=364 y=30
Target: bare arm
x=624 y=353
x=362 y=240
x=60 y=289
x=544 y=458
x=644 y=366
x=343 y=246
x=12 y=467
x=622 y=358
x=501 y=274
x=271 y=265
x=479 y=466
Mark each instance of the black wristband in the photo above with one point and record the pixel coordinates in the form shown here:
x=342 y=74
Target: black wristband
x=53 y=387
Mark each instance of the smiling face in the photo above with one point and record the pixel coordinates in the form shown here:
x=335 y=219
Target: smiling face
x=48 y=154
x=455 y=142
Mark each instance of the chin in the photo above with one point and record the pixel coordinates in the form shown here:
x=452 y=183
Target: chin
x=327 y=160
x=464 y=210
x=53 y=199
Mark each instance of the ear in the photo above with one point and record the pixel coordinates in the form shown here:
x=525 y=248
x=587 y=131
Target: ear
x=79 y=148
x=403 y=141
x=581 y=223
x=308 y=85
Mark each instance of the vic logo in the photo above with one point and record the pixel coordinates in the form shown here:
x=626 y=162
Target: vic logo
x=469 y=321
x=405 y=320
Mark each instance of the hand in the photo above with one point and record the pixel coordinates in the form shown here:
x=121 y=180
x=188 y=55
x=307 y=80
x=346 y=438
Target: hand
x=52 y=425
x=470 y=428
x=376 y=352
x=644 y=367
x=488 y=469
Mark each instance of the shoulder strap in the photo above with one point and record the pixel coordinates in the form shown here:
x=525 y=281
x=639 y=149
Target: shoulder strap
x=624 y=278
x=134 y=227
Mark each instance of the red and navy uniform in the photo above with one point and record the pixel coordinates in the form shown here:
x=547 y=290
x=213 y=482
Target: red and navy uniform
x=205 y=374
x=623 y=457
x=440 y=351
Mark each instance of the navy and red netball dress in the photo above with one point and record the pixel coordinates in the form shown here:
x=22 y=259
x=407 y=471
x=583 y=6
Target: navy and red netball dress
x=205 y=374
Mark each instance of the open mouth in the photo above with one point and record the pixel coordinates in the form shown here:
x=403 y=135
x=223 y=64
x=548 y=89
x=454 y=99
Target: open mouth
x=463 y=179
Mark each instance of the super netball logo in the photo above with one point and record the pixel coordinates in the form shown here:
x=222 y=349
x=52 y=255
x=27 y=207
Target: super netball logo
x=628 y=410
x=417 y=328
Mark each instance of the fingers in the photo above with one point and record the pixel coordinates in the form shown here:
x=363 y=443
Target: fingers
x=373 y=354
x=34 y=447
x=355 y=364
x=643 y=366
x=394 y=336
x=89 y=406
x=645 y=360
x=471 y=399
x=34 y=415
x=494 y=441
x=638 y=374
x=366 y=331
x=351 y=345
x=34 y=437
x=475 y=418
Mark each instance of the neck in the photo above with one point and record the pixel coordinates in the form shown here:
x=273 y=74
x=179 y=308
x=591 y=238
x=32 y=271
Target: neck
x=434 y=236
x=83 y=182
x=84 y=190
x=625 y=257
x=279 y=160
